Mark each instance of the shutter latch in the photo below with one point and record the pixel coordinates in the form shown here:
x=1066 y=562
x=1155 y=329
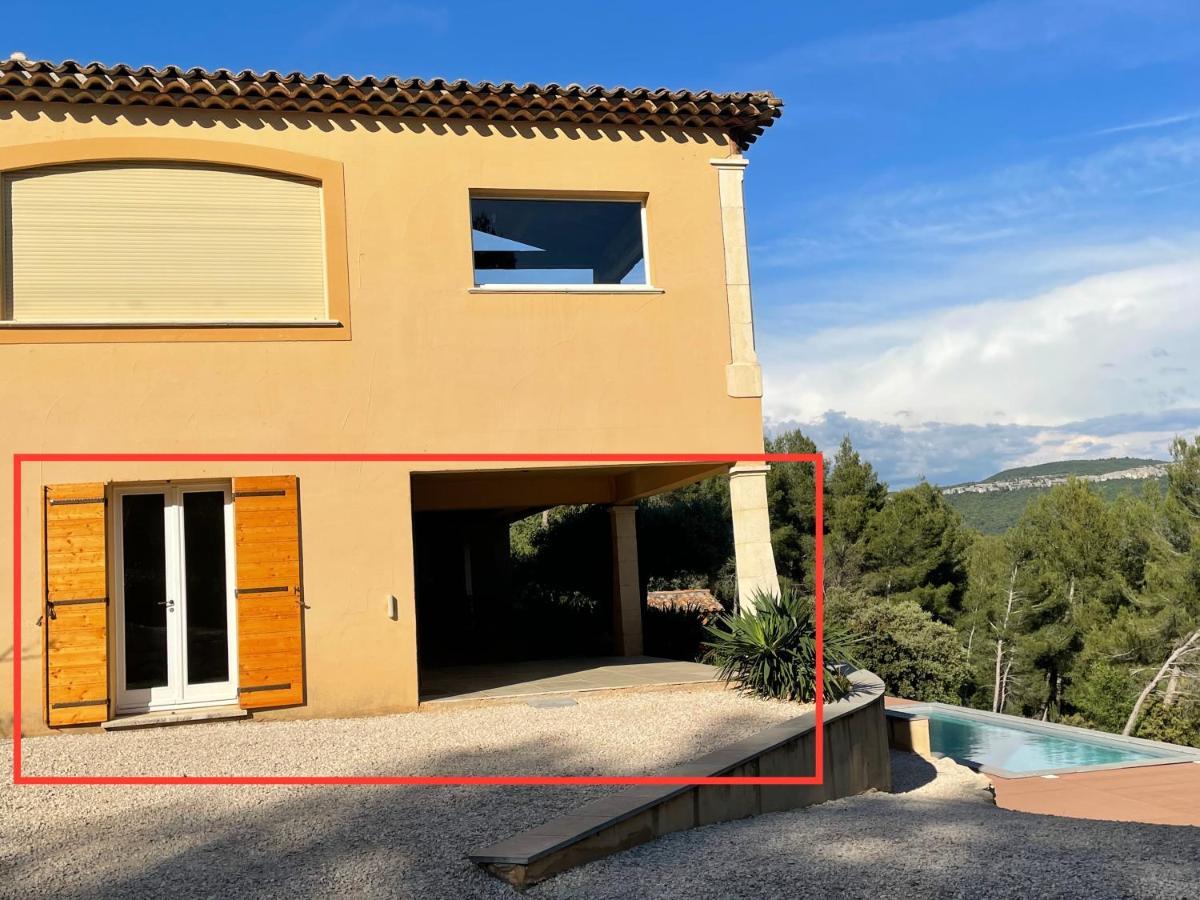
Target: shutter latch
x=50 y=604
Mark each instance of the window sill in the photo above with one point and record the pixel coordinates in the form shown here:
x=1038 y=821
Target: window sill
x=178 y=323
x=565 y=289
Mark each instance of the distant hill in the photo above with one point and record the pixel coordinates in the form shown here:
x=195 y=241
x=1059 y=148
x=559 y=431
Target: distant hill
x=1076 y=467
x=994 y=504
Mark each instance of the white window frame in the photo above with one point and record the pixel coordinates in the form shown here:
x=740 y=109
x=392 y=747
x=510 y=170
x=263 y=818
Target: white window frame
x=507 y=288
x=176 y=694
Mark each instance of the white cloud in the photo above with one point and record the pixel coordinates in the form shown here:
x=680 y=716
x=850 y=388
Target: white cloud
x=1145 y=124
x=1051 y=445
x=1083 y=351
x=949 y=454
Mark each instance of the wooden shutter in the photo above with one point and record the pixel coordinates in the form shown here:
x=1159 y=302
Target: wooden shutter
x=75 y=619
x=270 y=607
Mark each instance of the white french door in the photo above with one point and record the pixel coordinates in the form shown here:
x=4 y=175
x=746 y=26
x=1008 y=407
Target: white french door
x=175 y=609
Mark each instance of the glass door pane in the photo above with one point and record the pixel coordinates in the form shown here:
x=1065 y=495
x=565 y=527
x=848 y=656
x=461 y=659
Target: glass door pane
x=145 y=574
x=206 y=604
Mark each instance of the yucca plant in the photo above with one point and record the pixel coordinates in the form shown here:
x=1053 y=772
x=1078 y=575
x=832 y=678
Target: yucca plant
x=771 y=651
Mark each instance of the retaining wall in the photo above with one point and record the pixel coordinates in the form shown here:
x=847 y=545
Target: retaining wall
x=856 y=760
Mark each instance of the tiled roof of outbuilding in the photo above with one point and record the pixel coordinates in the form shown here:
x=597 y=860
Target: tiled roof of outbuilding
x=743 y=115
x=699 y=600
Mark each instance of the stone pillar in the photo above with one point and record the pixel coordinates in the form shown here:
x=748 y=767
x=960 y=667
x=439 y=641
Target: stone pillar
x=627 y=599
x=751 y=532
x=743 y=375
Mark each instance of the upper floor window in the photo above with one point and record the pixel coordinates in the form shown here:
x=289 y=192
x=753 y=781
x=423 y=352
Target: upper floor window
x=161 y=242
x=540 y=243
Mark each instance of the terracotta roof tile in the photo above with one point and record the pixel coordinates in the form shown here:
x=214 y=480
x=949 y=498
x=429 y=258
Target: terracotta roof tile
x=700 y=600
x=743 y=115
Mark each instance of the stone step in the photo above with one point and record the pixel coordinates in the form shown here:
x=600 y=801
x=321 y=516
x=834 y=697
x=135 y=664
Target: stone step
x=174 y=717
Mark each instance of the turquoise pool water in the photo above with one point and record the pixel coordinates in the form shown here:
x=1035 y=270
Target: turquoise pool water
x=1021 y=749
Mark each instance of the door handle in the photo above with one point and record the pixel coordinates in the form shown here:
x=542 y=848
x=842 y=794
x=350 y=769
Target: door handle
x=169 y=604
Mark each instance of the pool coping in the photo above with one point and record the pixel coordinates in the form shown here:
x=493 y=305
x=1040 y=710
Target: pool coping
x=1178 y=754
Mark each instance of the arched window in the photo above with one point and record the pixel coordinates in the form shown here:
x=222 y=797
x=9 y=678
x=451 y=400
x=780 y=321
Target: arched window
x=162 y=242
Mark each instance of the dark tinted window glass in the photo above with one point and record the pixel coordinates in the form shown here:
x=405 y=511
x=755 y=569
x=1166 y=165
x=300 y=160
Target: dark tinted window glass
x=557 y=242
x=204 y=572
x=144 y=548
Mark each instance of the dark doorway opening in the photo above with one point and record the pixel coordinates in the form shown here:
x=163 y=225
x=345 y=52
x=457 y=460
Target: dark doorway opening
x=479 y=602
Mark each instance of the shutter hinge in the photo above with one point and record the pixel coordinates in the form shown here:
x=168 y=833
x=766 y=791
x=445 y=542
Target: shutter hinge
x=264 y=687
x=240 y=592
x=283 y=589
x=75 y=703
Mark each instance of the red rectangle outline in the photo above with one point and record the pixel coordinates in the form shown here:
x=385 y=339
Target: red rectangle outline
x=817 y=460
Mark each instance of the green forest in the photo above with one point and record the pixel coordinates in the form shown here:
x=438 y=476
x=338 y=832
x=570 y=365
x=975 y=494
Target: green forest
x=997 y=512
x=1086 y=609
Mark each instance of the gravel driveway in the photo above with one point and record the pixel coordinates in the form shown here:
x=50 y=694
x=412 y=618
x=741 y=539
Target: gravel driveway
x=942 y=837
x=125 y=841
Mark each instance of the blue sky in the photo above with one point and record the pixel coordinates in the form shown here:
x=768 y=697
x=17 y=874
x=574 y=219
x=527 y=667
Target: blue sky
x=974 y=233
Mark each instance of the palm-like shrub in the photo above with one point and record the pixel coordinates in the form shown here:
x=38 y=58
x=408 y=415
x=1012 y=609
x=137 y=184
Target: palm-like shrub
x=771 y=651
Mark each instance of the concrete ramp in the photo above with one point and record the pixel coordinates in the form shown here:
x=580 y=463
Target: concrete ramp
x=856 y=761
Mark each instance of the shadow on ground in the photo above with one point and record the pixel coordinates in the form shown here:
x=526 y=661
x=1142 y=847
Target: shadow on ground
x=253 y=841
x=902 y=845
x=911 y=773
x=137 y=841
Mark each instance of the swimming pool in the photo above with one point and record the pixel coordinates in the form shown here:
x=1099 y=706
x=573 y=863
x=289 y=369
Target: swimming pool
x=1013 y=747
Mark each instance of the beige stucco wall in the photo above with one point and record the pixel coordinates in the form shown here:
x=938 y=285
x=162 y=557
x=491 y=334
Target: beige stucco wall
x=430 y=367
x=357 y=550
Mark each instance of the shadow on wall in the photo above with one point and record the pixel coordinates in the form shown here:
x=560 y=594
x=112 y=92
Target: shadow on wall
x=6 y=659
x=286 y=121
x=6 y=721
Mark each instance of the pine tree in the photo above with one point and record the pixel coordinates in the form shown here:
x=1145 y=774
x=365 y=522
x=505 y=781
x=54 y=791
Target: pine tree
x=856 y=495
x=1066 y=549
x=791 y=500
x=991 y=622
x=915 y=548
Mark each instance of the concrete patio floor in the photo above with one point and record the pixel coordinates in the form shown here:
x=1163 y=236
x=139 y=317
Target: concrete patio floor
x=528 y=678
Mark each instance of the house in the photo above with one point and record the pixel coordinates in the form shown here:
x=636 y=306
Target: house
x=232 y=263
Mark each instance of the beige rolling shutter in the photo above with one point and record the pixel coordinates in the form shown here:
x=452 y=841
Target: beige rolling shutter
x=270 y=607
x=163 y=242
x=75 y=620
